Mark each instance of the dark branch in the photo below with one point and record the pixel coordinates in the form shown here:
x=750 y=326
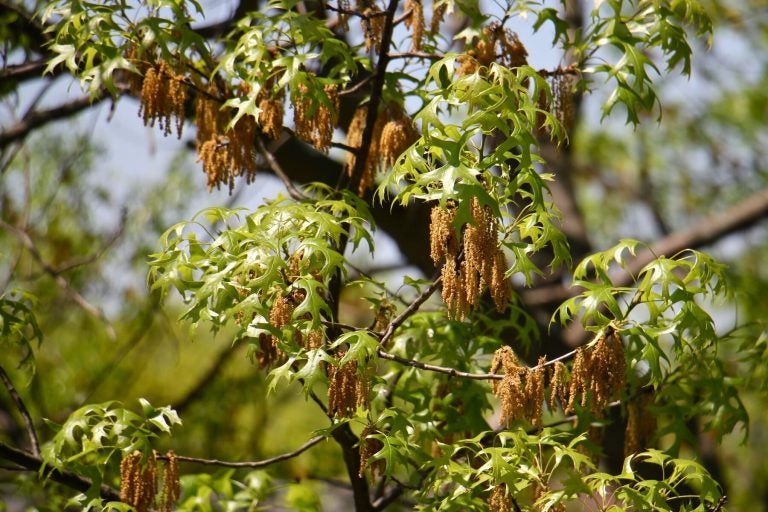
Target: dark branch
x=31 y=463
x=707 y=231
x=39 y=118
x=410 y=310
x=30 y=426
x=251 y=464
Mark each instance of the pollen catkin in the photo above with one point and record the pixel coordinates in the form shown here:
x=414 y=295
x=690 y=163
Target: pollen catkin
x=438 y=13
x=579 y=379
x=171 y=483
x=343 y=14
x=501 y=288
x=415 y=22
x=138 y=484
x=443 y=241
x=534 y=393
x=163 y=98
x=373 y=28
x=607 y=371
x=397 y=135
x=355 y=140
x=370 y=446
x=499 y=501
x=280 y=314
x=558 y=387
x=135 y=80
x=346 y=390
x=640 y=424
x=495 y=45
x=271 y=117
x=599 y=374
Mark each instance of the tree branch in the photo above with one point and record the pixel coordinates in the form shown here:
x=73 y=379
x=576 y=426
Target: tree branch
x=22 y=410
x=457 y=373
x=705 y=232
x=409 y=311
x=41 y=117
x=250 y=464
x=32 y=463
x=29 y=244
x=294 y=192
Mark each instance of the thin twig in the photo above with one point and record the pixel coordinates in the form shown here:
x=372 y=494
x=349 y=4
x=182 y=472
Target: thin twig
x=417 y=55
x=34 y=464
x=410 y=310
x=457 y=373
x=22 y=410
x=250 y=464
x=26 y=240
x=278 y=170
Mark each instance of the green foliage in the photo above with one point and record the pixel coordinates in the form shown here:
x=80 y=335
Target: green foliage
x=19 y=331
x=94 y=438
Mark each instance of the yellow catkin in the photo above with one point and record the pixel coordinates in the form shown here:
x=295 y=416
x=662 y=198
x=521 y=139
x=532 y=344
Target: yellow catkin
x=607 y=371
x=501 y=288
x=369 y=446
x=499 y=500
x=443 y=241
x=171 y=483
x=271 y=117
x=558 y=387
x=373 y=28
x=496 y=44
x=534 y=393
x=138 y=483
x=346 y=391
x=135 y=80
x=438 y=13
x=397 y=135
x=415 y=22
x=641 y=424
x=355 y=139
x=579 y=379
x=343 y=15
x=454 y=294
x=163 y=98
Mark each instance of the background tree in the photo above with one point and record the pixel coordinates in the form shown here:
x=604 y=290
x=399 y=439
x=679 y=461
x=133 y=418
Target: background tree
x=529 y=384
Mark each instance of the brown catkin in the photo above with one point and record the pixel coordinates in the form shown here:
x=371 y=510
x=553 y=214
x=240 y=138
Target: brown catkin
x=641 y=425
x=558 y=387
x=501 y=288
x=415 y=22
x=499 y=500
x=373 y=28
x=343 y=14
x=397 y=135
x=271 y=117
x=163 y=98
x=443 y=241
x=346 y=389
x=355 y=140
x=370 y=446
x=579 y=379
x=534 y=392
x=138 y=483
x=438 y=13
x=171 y=483
x=607 y=371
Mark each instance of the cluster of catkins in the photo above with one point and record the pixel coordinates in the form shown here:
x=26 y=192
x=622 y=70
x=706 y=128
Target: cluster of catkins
x=471 y=258
x=139 y=482
x=597 y=377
